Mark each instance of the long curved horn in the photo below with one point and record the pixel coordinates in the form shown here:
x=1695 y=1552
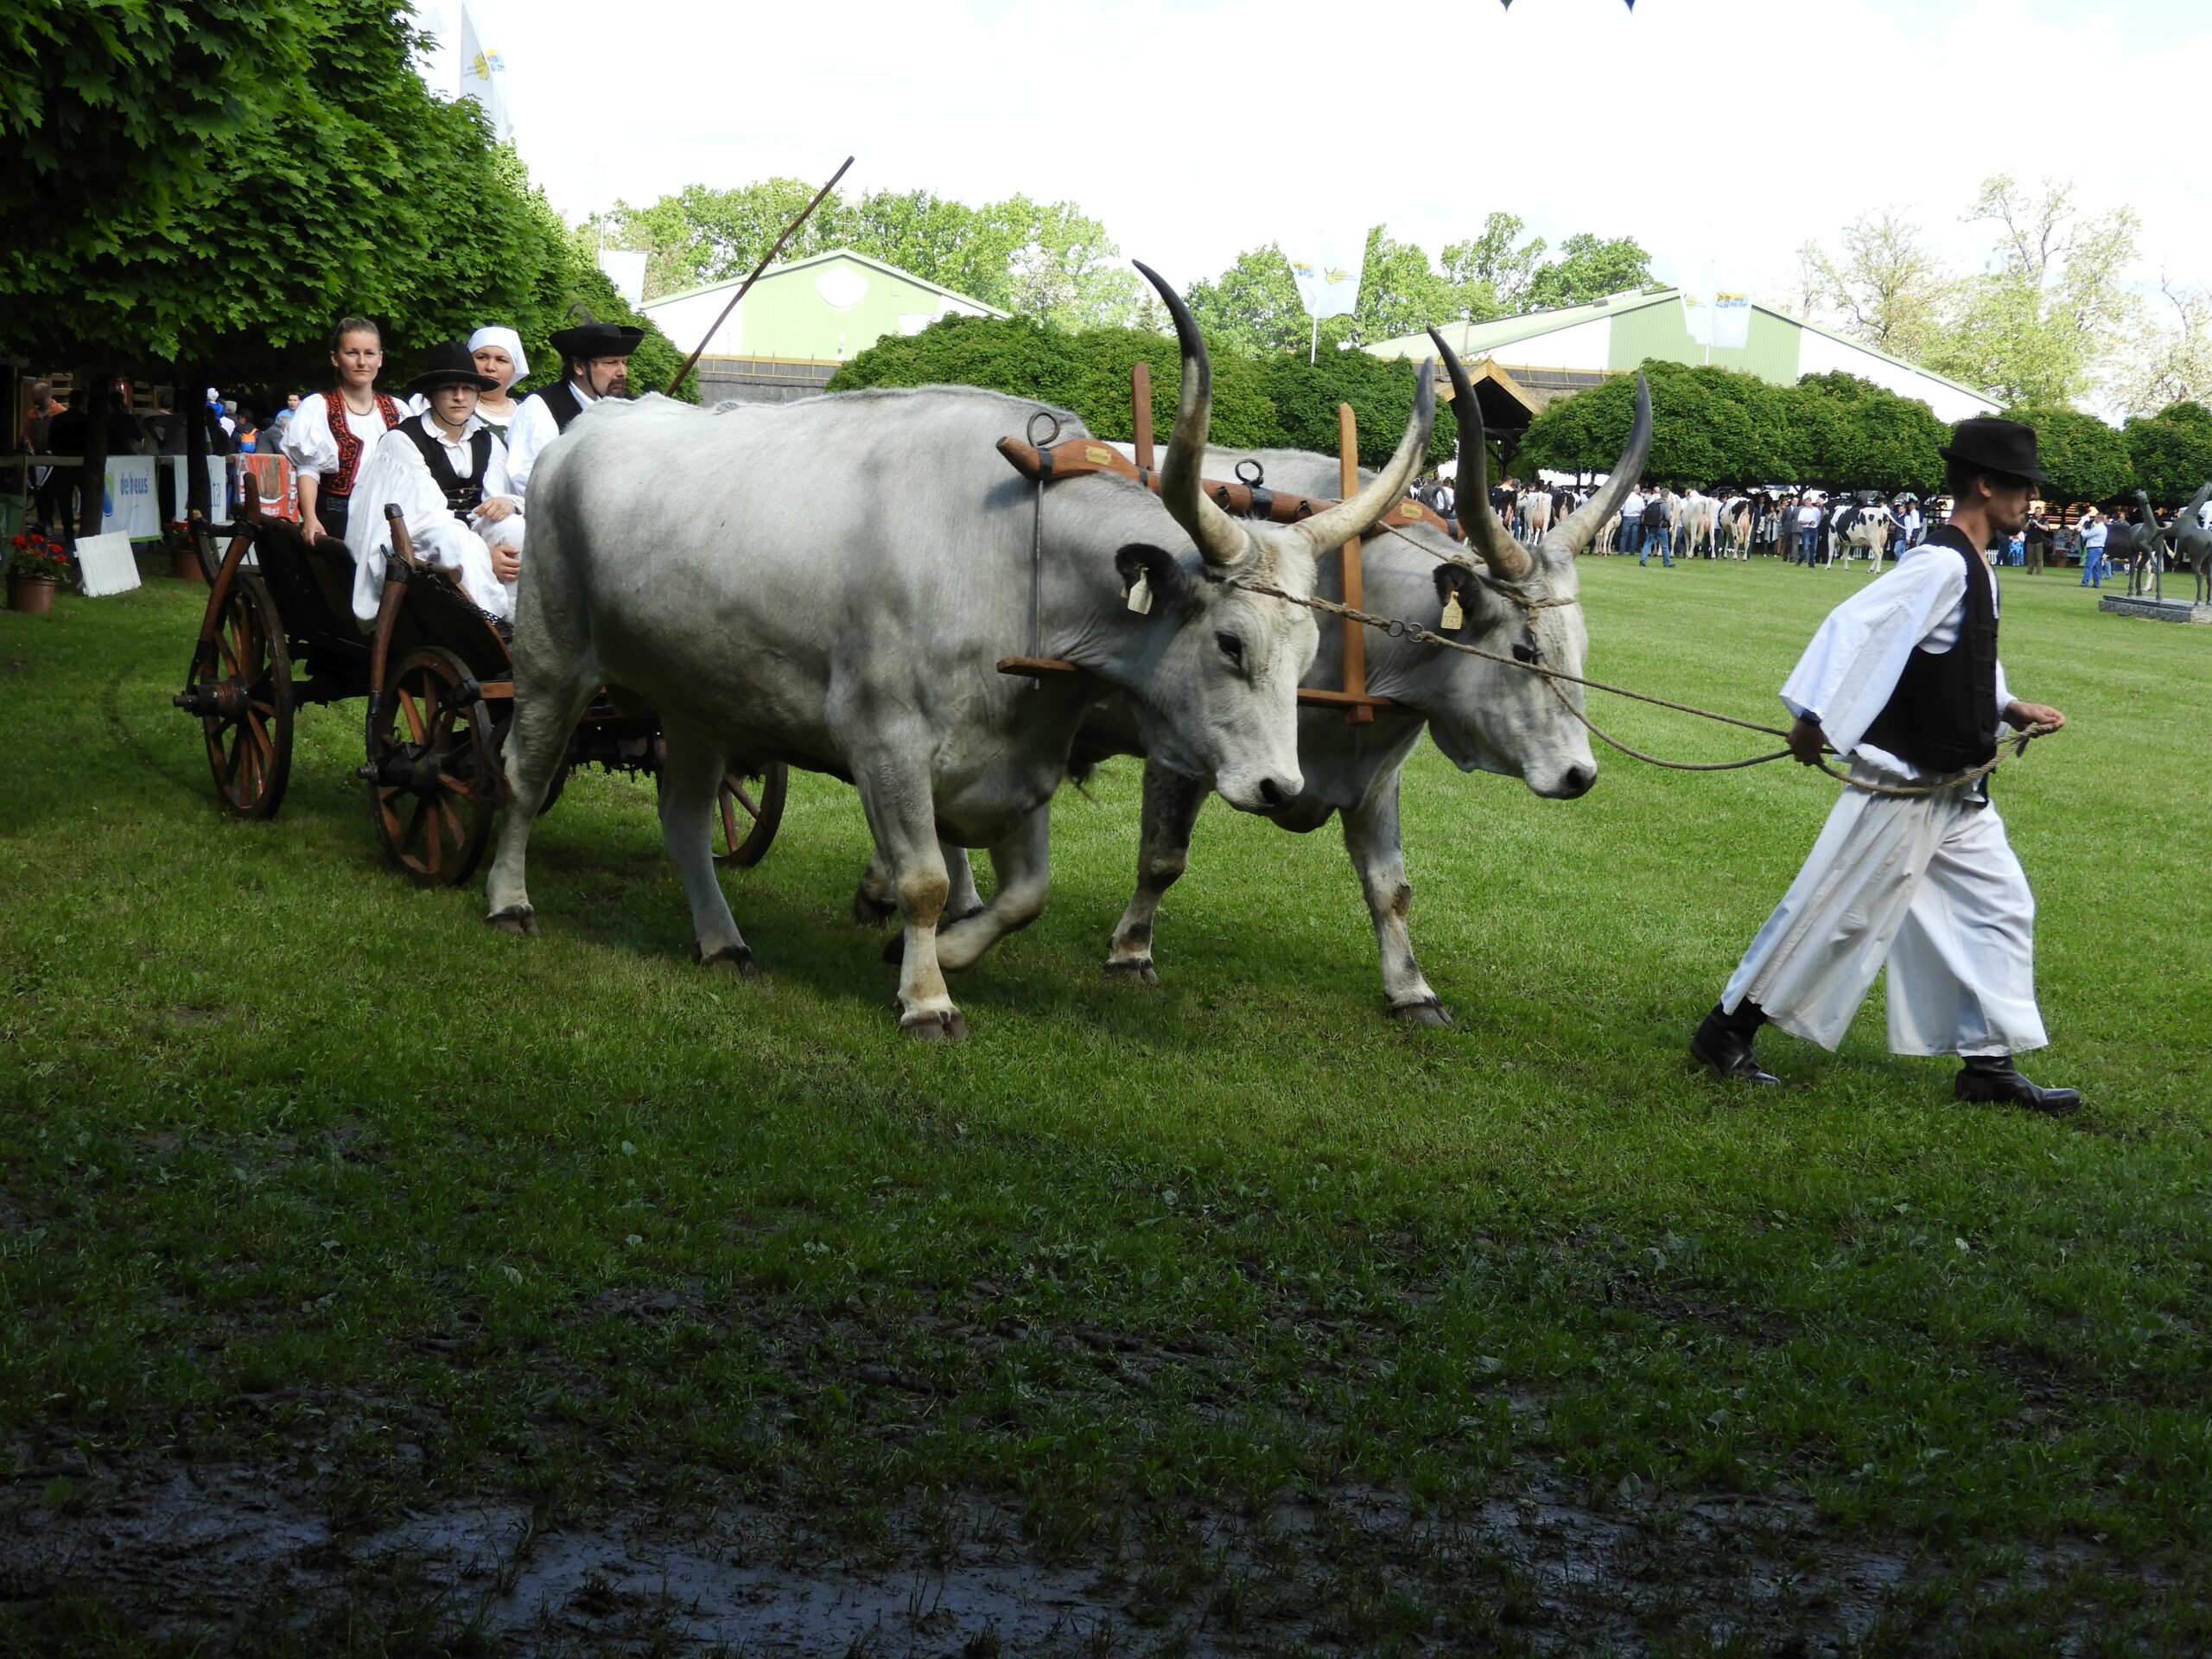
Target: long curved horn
x=1333 y=526
x=1220 y=542
x=1581 y=526
x=1479 y=522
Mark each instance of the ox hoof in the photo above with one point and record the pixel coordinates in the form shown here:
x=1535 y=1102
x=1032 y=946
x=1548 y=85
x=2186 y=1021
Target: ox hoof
x=518 y=919
x=869 y=911
x=1137 y=969
x=738 y=958
x=945 y=1028
x=1430 y=1013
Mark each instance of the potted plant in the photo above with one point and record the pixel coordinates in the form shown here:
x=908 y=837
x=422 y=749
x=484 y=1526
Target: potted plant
x=184 y=553
x=36 y=563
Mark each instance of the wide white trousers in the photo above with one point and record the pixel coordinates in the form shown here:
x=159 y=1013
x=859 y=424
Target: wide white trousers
x=468 y=553
x=1929 y=885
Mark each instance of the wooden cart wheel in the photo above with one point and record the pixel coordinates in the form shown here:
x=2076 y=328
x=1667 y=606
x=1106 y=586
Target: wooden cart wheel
x=242 y=690
x=747 y=809
x=434 y=772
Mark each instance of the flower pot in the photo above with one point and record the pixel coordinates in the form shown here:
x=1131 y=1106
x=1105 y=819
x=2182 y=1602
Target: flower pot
x=34 y=594
x=184 y=563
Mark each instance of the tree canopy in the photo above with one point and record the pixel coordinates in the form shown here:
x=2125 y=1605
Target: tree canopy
x=1715 y=426
x=1049 y=261
x=2047 y=322
x=215 y=182
x=2171 y=452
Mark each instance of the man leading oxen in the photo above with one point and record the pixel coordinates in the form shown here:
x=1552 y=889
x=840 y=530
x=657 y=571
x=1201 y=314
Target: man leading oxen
x=832 y=583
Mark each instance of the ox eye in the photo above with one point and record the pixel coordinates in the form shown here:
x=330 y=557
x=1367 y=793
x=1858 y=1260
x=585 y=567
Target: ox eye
x=1524 y=653
x=1231 y=647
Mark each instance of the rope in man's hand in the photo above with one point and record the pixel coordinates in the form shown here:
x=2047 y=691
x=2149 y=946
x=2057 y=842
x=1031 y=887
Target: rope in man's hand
x=2016 y=743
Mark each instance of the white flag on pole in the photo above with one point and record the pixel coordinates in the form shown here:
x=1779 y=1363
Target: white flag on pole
x=1327 y=270
x=479 y=72
x=1721 y=321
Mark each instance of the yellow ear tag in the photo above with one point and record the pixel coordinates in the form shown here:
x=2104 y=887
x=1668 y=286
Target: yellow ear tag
x=1141 y=595
x=1454 y=616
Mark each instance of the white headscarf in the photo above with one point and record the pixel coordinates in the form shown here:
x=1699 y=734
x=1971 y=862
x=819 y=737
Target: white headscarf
x=509 y=342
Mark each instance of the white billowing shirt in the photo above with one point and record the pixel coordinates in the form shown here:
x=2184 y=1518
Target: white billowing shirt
x=531 y=430
x=1847 y=673
x=396 y=472
x=312 y=447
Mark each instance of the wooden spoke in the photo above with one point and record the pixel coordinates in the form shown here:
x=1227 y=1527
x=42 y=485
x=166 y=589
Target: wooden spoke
x=746 y=844
x=416 y=726
x=242 y=661
x=426 y=731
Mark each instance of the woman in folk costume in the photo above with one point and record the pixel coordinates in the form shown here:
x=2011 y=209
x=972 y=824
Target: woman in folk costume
x=1903 y=678
x=448 y=473
x=499 y=354
x=335 y=431
x=594 y=363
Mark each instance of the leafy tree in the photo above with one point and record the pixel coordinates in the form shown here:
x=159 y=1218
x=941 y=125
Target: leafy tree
x=2085 y=460
x=2039 y=327
x=1254 y=305
x=1588 y=268
x=1048 y=260
x=1710 y=426
x=2171 y=452
x=1399 y=292
x=1489 y=274
x=1886 y=287
x=1879 y=440
x=2172 y=361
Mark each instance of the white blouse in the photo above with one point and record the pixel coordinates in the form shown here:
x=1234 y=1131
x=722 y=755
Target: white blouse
x=311 y=447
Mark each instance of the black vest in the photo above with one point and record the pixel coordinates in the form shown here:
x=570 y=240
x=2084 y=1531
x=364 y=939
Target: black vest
x=561 y=397
x=462 y=495
x=1942 y=717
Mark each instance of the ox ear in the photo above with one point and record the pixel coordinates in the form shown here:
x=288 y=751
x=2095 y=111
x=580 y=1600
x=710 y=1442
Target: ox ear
x=1459 y=591
x=1165 y=580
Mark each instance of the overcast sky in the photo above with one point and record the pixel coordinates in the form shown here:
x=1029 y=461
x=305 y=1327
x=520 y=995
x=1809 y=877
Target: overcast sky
x=1721 y=133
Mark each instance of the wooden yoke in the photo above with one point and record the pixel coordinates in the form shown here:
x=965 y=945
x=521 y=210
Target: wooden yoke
x=1360 y=714
x=1081 y=457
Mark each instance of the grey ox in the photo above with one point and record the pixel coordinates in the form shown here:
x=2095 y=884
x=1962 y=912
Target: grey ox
x=832 y=583
x=1518 y=603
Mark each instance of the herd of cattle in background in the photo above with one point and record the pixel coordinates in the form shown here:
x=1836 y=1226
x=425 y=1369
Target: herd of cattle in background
x=1863 y=524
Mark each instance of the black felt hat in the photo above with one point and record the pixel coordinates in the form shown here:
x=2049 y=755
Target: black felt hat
x=592 y=340
x=450 y=363
x=2007 y=447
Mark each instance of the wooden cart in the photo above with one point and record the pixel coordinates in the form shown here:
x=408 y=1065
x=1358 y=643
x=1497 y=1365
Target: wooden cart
x=279 y=633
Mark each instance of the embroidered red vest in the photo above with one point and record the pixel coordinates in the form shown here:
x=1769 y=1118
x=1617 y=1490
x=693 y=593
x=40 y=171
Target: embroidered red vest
x=349 y=446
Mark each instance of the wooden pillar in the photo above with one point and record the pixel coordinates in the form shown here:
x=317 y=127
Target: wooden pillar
x=98 y=393
x=1355 y=633
x=1141 y=412
x=191 y=410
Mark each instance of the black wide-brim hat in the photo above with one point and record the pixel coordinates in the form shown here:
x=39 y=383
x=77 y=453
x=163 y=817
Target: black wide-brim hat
x=450 y=363
x=2007 y=447
x=592 y=340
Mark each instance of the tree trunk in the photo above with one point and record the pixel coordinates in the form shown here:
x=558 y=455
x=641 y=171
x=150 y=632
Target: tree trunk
x=194 y=414
x=98 y=396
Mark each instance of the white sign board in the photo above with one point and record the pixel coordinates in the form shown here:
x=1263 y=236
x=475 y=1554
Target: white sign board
x=218 y=483
x=106 y=564
x=128 y=503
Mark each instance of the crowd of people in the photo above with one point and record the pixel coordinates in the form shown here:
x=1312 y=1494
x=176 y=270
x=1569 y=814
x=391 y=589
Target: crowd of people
x=1814 y=529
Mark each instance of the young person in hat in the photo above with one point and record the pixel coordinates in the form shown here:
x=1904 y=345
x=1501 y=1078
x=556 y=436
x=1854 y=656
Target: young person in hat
x=335 y=431
x=448 y=471
x=594 y=363
x=1902 y=679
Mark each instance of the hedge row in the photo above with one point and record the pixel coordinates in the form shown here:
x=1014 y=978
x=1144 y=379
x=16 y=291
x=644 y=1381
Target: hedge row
x=1258 y=402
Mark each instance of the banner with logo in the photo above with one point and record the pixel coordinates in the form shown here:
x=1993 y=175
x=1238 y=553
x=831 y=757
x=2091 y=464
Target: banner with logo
x=127 y=503
x=219 y=483
x=1721 y=320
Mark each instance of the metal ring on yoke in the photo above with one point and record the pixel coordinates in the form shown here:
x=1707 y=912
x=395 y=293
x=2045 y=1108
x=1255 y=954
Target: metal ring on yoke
x=1052 y=432
x=1255 y=478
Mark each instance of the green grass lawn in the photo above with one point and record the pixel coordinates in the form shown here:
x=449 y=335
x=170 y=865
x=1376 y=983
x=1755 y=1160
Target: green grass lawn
x=1275 y=1319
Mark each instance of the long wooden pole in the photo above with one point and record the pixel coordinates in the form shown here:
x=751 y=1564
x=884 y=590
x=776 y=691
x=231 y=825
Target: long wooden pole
x=767 y=259
x=1360 y=714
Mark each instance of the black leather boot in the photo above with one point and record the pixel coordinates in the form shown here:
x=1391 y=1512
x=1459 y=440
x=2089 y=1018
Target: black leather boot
x=1722 y=1043
x=1993 y=1077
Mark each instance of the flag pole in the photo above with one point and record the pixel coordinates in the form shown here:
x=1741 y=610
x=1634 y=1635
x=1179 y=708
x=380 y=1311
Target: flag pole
x=767 y=259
